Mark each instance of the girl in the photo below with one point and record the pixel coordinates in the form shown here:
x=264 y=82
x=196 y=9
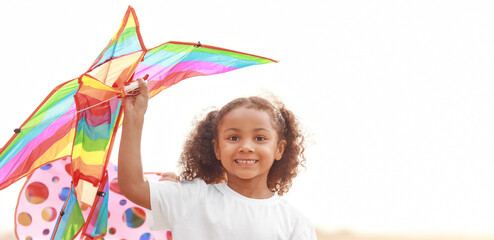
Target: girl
x=236 y=165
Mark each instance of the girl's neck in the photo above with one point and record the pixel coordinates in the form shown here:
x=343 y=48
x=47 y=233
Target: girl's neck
x=250 y=188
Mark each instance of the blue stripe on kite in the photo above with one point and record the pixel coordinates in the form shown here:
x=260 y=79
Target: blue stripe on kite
x=166 y=59
x=94 y=133
x=163 y=58
x=62 y=106
x=71 y=201
x=127 y=46
x=101 y=223
x=219 y=59
x=115 y=114
x=59 y=109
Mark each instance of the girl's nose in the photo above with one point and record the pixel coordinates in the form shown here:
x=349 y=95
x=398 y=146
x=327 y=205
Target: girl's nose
x=246 y=147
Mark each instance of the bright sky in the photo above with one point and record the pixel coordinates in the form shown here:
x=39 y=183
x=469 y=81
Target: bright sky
x=396 y=96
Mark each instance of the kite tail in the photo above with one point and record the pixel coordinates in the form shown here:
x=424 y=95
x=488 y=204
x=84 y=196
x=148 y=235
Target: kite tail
x=70 y=220
x=97 y=220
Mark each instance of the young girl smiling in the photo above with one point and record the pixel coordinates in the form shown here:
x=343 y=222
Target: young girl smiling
x=236 y=164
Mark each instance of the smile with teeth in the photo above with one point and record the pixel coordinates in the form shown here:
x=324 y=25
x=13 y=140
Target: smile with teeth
x=242 y=161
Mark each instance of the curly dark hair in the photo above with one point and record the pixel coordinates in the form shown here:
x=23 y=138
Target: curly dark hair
x=198 y=159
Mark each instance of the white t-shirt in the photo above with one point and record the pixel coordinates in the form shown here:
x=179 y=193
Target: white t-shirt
x=196 y=210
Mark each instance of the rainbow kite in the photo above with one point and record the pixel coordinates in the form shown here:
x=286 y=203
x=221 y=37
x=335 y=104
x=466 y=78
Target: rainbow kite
x=78 y=120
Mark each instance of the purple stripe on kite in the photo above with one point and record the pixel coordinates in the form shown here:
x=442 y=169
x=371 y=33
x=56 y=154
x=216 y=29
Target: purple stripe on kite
x=20 y=157
x=95 y=120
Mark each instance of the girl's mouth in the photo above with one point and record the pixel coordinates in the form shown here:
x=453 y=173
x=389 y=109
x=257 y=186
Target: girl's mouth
x=245 y=161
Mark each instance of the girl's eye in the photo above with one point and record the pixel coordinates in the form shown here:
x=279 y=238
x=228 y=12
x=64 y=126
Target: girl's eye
x=260 y=138
x=233 y=138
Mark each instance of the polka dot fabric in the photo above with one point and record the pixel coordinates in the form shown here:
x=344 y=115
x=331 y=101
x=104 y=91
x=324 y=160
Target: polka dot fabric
x=44 y=193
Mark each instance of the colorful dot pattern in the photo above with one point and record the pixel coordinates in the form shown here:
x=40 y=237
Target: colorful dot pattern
x=45 y=191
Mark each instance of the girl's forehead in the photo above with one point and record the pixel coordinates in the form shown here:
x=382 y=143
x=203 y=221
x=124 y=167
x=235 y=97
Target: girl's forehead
x=248 y=116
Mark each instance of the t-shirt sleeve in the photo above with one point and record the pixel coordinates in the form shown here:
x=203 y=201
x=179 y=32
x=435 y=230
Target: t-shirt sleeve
x=170 y=201
x=304 y=231
x=306 y=234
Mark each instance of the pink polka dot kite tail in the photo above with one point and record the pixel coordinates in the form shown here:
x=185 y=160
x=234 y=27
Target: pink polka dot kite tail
x=78 y=122
x=44 y=193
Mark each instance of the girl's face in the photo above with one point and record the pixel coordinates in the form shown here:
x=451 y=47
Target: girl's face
x=247 y=144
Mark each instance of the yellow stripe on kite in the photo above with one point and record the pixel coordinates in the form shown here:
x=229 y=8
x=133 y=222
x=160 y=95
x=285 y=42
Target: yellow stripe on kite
x=131 y=22
x=62 y=148
x=88 y=158
x=93 y=83
x=156 y=91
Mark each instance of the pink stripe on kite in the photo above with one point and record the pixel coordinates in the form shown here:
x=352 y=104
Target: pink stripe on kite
x=20 y=158
x=207 y=68
x=153 y=71
x=157 y=72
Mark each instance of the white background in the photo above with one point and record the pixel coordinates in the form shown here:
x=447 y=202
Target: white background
x=396 y=96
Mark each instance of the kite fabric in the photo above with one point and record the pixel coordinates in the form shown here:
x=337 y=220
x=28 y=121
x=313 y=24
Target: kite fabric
x=43 y=194
x=79 y=119
x=70 y=220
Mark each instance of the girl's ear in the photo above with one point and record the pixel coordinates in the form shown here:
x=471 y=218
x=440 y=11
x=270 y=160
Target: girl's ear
x=280 y=149
x=216 y=149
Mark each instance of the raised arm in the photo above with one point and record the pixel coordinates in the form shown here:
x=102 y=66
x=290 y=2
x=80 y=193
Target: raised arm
x=130 y=175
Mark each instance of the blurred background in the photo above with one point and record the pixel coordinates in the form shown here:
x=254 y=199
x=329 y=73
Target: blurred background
x=395 y=98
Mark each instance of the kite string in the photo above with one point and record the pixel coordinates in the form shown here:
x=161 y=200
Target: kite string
x=134 y=90
x=97 y=104
x=69 y=114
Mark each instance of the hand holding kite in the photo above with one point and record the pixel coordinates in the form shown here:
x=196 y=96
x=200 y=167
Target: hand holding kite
x=136 y=103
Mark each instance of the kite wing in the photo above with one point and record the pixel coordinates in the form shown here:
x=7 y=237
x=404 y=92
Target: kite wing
x=47 y=135
x=173 y=62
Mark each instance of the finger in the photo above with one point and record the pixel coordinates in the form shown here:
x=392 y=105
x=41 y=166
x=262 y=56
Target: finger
x=169 y=174
x=168 y=178
x=127 y=101
x=164 y=179
x=143 y=87
x=133 y=92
